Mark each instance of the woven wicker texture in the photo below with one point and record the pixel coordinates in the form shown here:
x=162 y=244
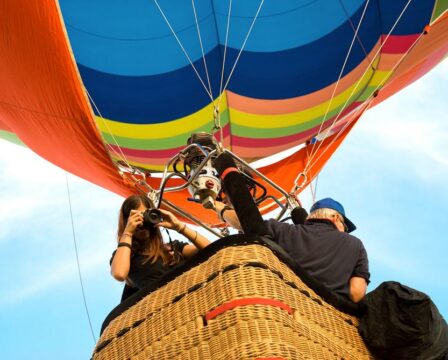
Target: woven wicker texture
x=284 y=318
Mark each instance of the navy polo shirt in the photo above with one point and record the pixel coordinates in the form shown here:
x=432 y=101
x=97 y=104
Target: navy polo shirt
x=325 y=253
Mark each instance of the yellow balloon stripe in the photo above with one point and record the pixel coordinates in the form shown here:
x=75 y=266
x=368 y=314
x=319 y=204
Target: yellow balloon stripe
x=185 y=125
x=146 y=166
x=11 y=137
x=292 y=119
x=380 y=78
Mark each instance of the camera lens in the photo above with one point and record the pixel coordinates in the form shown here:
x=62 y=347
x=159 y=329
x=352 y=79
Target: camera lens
x=151 y=217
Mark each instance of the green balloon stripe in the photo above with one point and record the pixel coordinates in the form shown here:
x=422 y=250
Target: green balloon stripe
x=162 y=143
x=11 y=137
x=367 y=93
x=441 y=6
x=258 y=133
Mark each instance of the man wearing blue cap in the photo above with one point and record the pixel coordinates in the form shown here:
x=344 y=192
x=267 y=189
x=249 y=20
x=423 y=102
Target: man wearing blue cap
x=322 y=246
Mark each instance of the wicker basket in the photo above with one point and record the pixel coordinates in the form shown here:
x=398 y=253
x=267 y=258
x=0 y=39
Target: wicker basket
x=242 y=302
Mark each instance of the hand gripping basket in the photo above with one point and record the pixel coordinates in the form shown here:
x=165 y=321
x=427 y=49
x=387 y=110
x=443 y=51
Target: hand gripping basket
x=238 y=299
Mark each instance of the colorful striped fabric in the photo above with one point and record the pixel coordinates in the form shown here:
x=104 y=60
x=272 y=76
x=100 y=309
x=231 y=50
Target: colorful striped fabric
x=302 y=77
x=149 y=99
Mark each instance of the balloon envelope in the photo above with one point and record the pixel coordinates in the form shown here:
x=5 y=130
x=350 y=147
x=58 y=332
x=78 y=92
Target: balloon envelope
x=87 y=84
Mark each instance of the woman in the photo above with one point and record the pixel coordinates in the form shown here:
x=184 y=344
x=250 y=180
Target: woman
x=142 y=257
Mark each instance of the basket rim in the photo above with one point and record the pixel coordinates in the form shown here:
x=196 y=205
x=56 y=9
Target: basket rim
x=336 y=300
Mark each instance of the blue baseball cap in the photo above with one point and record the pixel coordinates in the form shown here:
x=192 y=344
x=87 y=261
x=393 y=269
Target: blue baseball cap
x=329 y=203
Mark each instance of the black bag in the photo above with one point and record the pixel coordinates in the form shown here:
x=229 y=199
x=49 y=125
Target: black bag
x=403 y=323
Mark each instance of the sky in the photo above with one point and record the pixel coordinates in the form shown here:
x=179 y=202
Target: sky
x=390 y=174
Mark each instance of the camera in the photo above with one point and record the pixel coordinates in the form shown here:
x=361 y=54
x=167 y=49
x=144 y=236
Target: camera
x=151 y=217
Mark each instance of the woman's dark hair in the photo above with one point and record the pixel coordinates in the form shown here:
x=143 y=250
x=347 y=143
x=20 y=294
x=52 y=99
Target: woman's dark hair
x=152 y=245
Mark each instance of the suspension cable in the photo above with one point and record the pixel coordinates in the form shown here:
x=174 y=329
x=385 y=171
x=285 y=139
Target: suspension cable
x=184 y=51
x=202 y=49
x=376 y=89
x=340 y=73
x=353 y=28
x=374 y=92
x=356 y=86
x=312 y=190
x=77 y=260
x=361 y=109
x=225 y=50
x=316 y=181
x=118 y=153
x=241 y=50
x=399 y=62
x=216 y=112
x=221 y=88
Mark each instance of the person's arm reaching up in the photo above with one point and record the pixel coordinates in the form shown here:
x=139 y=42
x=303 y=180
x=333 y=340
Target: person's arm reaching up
x=198 y=240
x=121 y=262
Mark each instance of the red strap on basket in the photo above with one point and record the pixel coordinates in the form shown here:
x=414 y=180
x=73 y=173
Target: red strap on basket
x=227 y=171
x=245 y=302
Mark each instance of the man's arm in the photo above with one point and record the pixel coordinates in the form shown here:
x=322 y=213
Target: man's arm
x=360 y=276
x=358 y=288
x=229 y=216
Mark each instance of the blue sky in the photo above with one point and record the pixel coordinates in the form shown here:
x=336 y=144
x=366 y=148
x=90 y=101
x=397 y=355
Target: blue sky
x=390 y=174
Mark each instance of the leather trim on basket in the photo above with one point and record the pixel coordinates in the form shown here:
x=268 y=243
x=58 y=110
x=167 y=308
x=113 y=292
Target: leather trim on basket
x=245 y=302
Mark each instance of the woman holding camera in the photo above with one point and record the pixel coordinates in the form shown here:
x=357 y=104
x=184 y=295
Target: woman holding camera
x=142 y=257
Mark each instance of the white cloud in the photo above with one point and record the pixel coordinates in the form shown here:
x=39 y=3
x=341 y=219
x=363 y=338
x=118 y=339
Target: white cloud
x=35 y=223
x=48 y=275
x=408 y=133
x=30 y=187
x=27 y=186
x=419 y=141
x=407 y=265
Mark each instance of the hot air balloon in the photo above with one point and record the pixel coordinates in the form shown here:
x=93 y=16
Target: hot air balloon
x=111 y=91
x=103 y=88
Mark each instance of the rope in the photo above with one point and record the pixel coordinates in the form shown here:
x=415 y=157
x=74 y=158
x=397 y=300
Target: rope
x=353 y=28
x=315 y=188
x=312 y=190
x=77 y=260
x=339 y=77
x=342 y=130
x=221 y=88
x=225 y=50
x=202 y=49
x=184 y=51
x=399 y=62
x=241 y=50
x=120 y=153
x=374 y=92
x=217 y=113
x=356 y=86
